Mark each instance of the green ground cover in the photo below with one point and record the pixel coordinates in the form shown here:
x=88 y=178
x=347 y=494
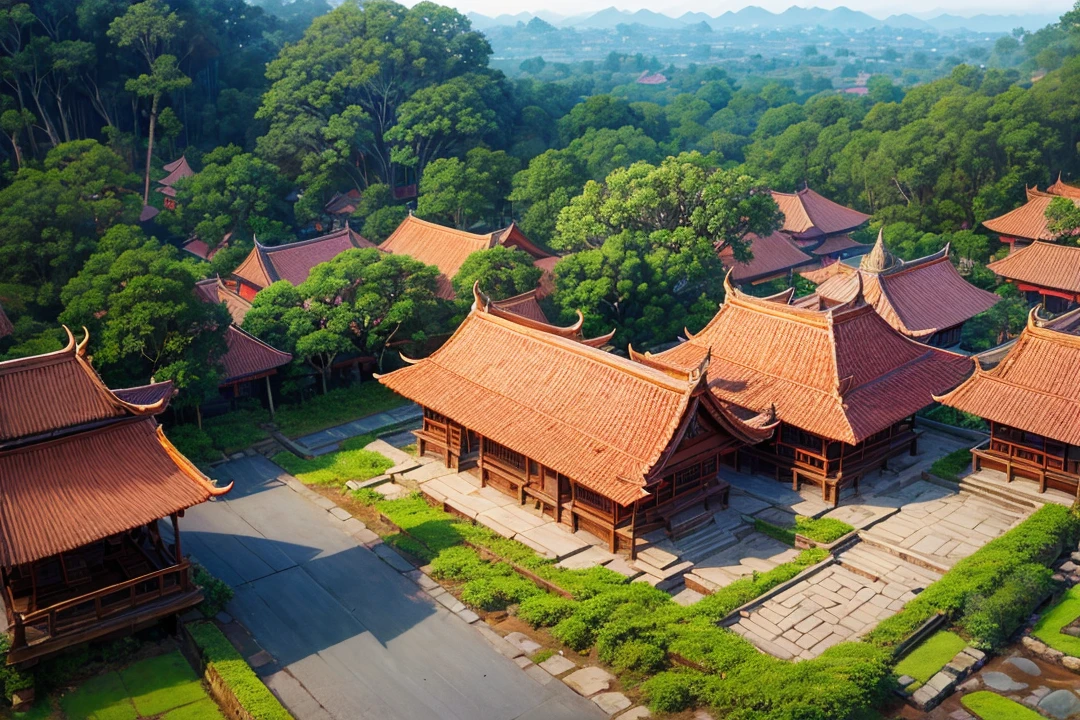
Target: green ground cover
x=930 y=656
x=352 y=462
x=164 y=686
x=1048 y=629
x=951 y=466
x=991 y=706
x=336 y=407
x=220 y=655
x=822 y=530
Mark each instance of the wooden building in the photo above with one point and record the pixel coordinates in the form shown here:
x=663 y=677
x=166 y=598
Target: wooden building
x=1046 y=272
x=177 y=169
x=596 y=441
x=265 y=265
x=773 y=256
x=86 y=477
x=844 y=384
x=819 y=225
x=925 y=299
x=1031 y=398
x=1027 y=224
x=448 y=248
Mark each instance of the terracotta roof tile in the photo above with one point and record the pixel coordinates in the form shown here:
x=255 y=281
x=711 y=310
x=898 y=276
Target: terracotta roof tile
x=169 y=167
x=1034 y=387
x=213 y=290
x=1061 y=189
x=247 y=356
x=177 y=170
x=1044 y=264
x=809 y=215
x=59 y=495
x=1027 y=221
x=524 y=305
x=917 y=298
x=602 y=420
x=293 y=262
x=148 y=213
x=343 y=203
x=835 y=244
x=55 y=392
x=147 y=394
x=547 y=275
x=842 y=373
x=772 y=255
x=447 y=248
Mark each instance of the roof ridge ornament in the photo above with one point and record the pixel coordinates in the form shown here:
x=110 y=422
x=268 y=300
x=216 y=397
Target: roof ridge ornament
x=80 y=348
x=879 y=259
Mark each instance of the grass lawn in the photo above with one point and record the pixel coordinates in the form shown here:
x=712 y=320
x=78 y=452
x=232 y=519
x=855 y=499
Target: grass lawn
x=336 y=407
x=990 y=706
x=1048 y=629
x=931 y=655
x=822 y=530
x=164 y=686
x=236 y=430
x=352 y=462
x=952 y=465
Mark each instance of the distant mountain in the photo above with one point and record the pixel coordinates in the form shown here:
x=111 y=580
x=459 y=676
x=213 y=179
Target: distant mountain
x=609 y=18
x=907 y=22
x=993 y=23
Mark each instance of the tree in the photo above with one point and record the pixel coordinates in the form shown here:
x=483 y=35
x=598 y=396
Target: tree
x=1063 y=217
x=544 y=188
x=598 y=111
x=464 y=191
x=501 y=271
x=149 y=27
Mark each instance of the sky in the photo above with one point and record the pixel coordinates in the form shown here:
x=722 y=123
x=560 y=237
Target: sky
x=877 y=8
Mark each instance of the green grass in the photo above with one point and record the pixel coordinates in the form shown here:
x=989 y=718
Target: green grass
x=41 y=710
x=218 y=653
x=350 y=463
x=100 y=698
x=822 y=530
x=236 y=430
x=991 y=706
x=336 y=407
x=161 y=684
x=1048 y=629
x=203 y=710
x=784 y=535
x=542 y=655
x=930 y=656
x=952 y=465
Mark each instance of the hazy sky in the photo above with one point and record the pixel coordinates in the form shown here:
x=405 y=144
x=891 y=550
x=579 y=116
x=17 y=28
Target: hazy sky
x=877 y=8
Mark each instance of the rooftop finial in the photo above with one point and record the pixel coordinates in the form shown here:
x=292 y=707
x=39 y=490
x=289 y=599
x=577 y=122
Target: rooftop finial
x=878 y=260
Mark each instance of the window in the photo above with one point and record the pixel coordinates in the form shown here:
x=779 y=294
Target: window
x=592 y=499
x=504 y=455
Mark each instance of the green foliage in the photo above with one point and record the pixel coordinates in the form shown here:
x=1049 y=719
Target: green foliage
x=743 y=590
x=994 y=326
x=499 y=588
x=501 y=271
x=457 y=563
x=951 y=466
x=991 y=706
x=162 y=683
x=784 y=535
x=101 y=697
x=672 y=691
x=639 y=657
x=217 y=652
x=822 y=530
x=573 y=633
x=1048 y=628
x=216 y=593
x=957 y=418
x=542 y=655
x=546 y=609
x=1039 y=539
x=932 y=654
x=334 y=468
x=461 y=192
x=193 y=443
x=989 y=619
x=11 y=679
x=336 y=407
x=237 y=430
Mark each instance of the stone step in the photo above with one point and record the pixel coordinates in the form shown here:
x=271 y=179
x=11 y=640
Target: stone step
x=656 y=557
x=698 y=547
x=908 y=556
x=671 y=571
x=876 y=564
x=689 y=521
x=1006 y=498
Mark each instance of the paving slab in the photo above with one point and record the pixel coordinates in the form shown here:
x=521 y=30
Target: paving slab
x=556 y=539
x=587 y=558
x=1025 y=666
x=523 y=642
x=1060 y=704
x=428 y=472
x=636 y=713
x=1001 y=682
x=558 y=664
x=391 y=557
x=514 y=519
x=612 y=702
x=589 y=681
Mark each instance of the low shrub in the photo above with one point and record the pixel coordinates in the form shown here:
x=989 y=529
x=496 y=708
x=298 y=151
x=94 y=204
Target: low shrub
x=545 y=609
x=336 y=407
x=956 y=418
x=639 y=657
x=499 y=589
x=11 y=679
x=413 y=547
x=784 y=535
x=218 y=653
x=991 y=706
x=574 y=633
x=990 y=619
x=335 y=468
x=1048 y=628
x=952 y=465
x=194 y=443
x=237 y=430
x=216 y=593
x=457 y=563
x=672 y=691
x=822 y=530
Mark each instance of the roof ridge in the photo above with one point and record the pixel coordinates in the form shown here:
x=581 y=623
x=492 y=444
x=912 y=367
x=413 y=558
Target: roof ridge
x=300 y=243
x=242 y=331
x=451 y=230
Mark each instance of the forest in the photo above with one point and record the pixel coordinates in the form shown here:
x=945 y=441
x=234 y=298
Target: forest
x=278 y=107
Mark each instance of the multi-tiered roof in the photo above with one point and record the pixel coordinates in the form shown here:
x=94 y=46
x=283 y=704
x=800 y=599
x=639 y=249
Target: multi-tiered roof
x=1028 y=222
x=177 y=169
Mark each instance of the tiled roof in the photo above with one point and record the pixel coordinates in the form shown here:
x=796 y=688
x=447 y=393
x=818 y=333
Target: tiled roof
x=447 y=248
x=147 y=394
x=917 y=298
x=177 y=169
x=547 y=275
x=247 y=356
x=6 y=328
x=213 y=290
x=772 y=254
x=1061 y=189
x=167 y=191
x=524 y=305
x=61 y=494
x=835 y=244
x=293 y=262
x=343 y=203
x=1045 y=264
x=841 y=373
x=1027 y=221
x=810 y=215
x=1034 y=388
x=148 y=213
x=602 y=420
x=56 y=392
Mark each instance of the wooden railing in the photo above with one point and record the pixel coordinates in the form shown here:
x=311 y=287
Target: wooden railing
x=74 y=615
x=1028 y=454
x=814 y=461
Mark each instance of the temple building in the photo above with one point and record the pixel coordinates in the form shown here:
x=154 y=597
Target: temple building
x=774 y=256
x=1046 y=272
x=1027 y=223
x=86 y=479
x=1031 y=399
x=819 y=225
x=596 y=441
x=447 y=249
x=200 y=249
x=265 y=265
x=925 y=299
x=177 y=169
x=844 y=384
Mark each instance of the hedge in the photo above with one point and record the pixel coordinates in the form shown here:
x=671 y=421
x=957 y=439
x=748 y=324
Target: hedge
x=1048 y=628
x=11 y=679
x=1037 y=540
x=218 y=653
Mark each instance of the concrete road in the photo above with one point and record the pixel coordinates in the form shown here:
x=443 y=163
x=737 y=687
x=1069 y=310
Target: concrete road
x=353 y=638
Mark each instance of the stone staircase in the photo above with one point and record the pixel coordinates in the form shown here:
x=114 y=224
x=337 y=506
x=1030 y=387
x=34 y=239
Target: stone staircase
x=875 y=562
x=1019 y=496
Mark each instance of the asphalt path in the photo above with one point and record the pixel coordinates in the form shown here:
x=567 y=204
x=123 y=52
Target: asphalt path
x=352 y=638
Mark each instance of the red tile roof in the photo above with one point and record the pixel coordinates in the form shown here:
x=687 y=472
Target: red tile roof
x=918 y=298
x=177 y=170
x=835 y=244
x=293 y=262
x=808 y=215
x=151 y=394
x=1034 y=387
x=62 y=494
x=6 y=328
x=343 y=203
x=169 y=167
x=46 y=394
x=148 y=213
x=547 y=275
x=1045 y=264
x=841 y=373
x=772 y=255
x=1027 y=221
x=447 y=248
x=213 y=290
x=524 y=305
x=1061 y=189
x=602 y=420
x=249 y=356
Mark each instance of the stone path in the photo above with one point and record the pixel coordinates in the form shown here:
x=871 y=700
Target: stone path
x=1053 y=692
x=326 y=441
x=754 y=553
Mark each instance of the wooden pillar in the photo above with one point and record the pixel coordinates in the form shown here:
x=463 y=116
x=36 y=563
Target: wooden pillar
x=270 y=397
x=176 y=538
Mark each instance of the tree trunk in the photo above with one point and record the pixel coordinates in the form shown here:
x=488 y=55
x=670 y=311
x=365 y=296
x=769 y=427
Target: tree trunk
x=150 y=148
x=18 y=150
x=198 y=416
x=323 y=374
